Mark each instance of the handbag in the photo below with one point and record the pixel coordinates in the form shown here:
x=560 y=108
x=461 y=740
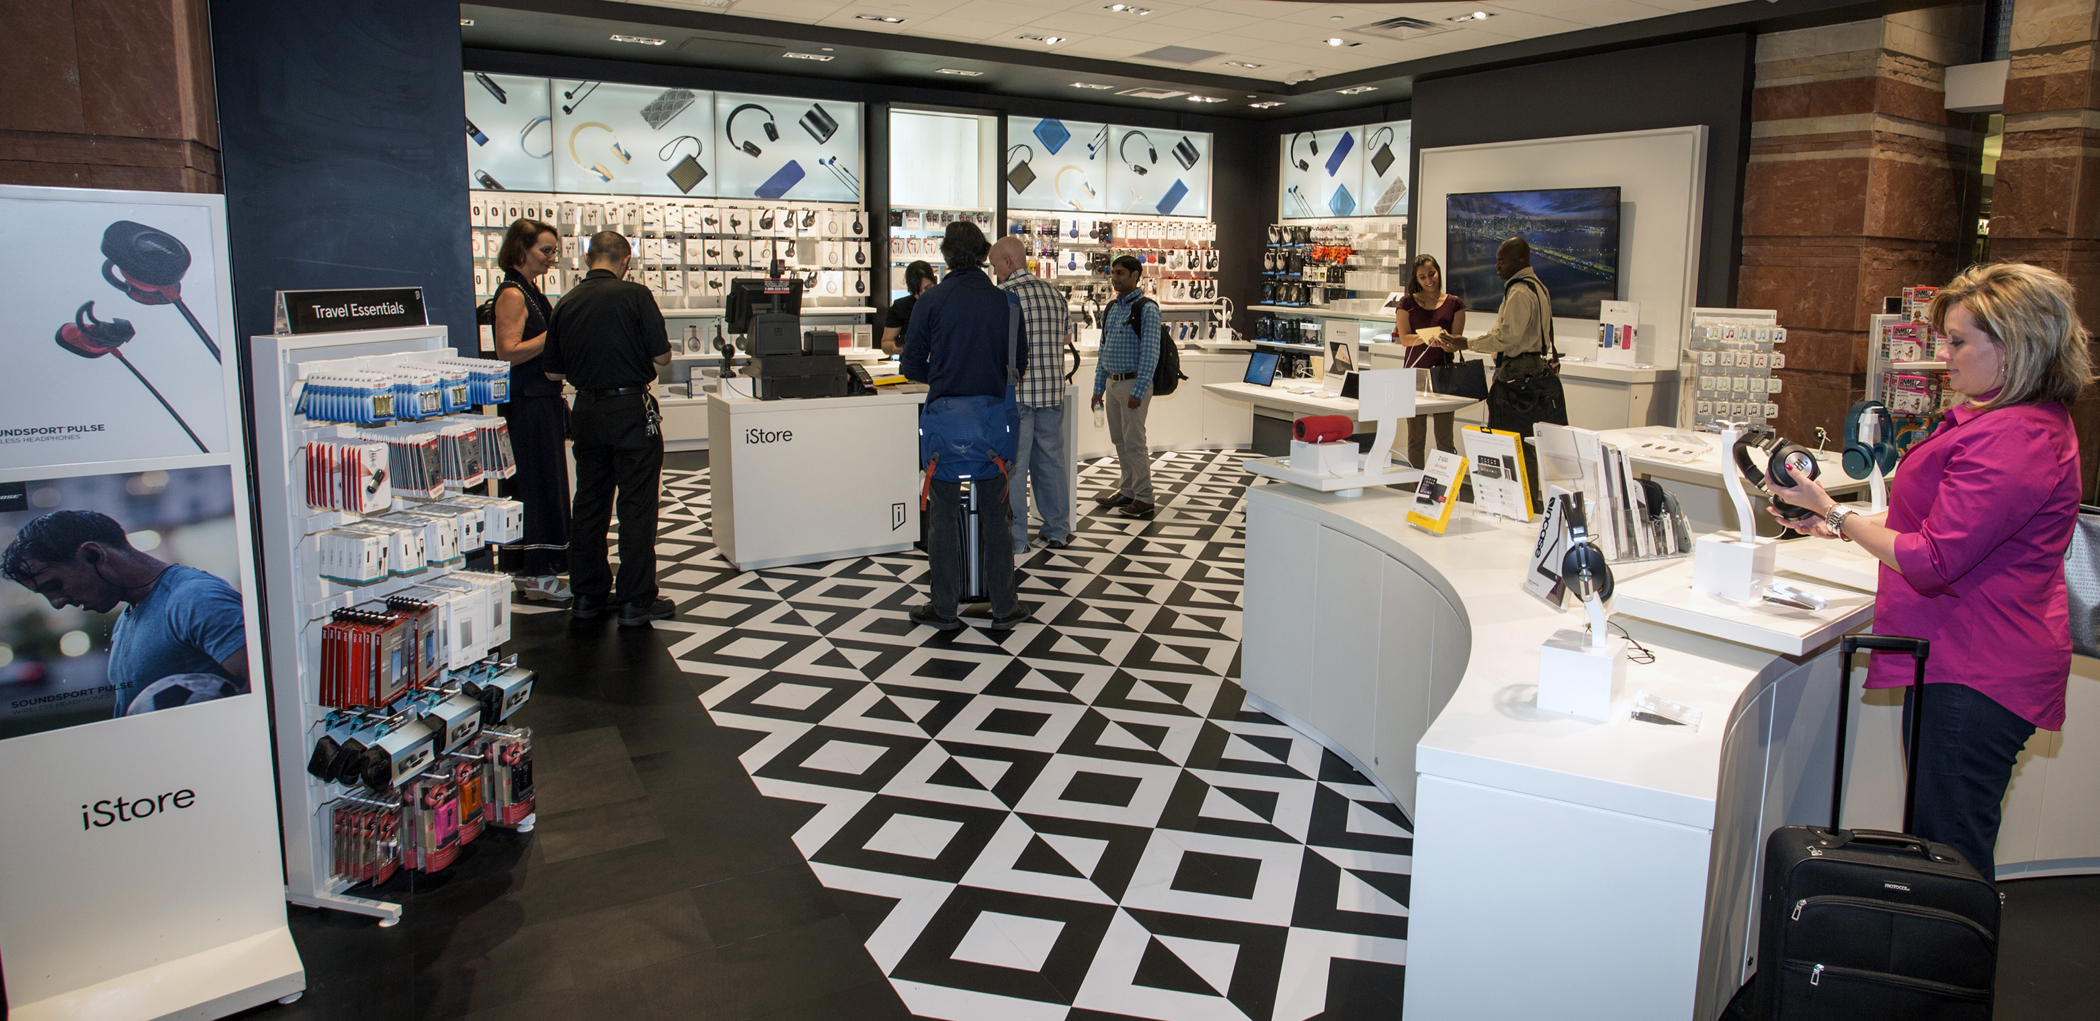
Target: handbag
x=1527 y=387
x=1465 y=378
x=971 y=437
x=2082 y=581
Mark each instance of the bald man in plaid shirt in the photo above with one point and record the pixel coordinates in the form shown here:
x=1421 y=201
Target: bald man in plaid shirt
x=1047 y=320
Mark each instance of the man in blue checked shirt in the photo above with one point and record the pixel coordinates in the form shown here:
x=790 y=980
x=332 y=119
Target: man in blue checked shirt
x=1124 y=377
x=1047 y=321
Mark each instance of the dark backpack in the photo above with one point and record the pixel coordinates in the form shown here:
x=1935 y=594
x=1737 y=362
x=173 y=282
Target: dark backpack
x=1166 y=376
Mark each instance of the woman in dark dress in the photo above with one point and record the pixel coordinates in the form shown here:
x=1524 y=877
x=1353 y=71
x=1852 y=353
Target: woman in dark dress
x=1425 y=314
x=539 y=417
x=917 y=278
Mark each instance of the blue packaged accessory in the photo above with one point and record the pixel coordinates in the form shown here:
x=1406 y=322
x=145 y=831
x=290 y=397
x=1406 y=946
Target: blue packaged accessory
x=1052 y=134
x=1340 y=153
x=782 y=180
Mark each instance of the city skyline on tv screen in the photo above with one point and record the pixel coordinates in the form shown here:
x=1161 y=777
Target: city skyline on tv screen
x=1574 y=236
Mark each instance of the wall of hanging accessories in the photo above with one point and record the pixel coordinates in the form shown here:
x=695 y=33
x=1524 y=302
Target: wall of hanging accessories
x=391 y=690
x=1734 y=366
x=686 y=251
x=1907 y=368
x=1180 y=256
x=915 y=236
x=1344 y=265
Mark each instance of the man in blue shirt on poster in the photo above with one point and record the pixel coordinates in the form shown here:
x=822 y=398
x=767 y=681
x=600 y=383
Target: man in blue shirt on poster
x=182 y=637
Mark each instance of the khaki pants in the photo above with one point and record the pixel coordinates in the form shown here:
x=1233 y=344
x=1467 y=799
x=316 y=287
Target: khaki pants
x=1126 y=430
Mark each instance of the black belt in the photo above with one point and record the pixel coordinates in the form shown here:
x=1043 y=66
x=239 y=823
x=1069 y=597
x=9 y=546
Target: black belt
x=621 y=391
x=1120 y=376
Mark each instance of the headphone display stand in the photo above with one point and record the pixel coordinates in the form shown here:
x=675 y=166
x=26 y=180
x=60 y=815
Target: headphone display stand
x=1734 y=565
x=1581 y=673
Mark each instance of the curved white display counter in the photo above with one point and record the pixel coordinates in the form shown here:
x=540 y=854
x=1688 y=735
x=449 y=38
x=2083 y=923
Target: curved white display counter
x=1557 y=860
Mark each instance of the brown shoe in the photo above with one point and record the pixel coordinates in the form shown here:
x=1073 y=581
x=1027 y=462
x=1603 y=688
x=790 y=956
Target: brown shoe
x=1137 y=510
x=1111 y=499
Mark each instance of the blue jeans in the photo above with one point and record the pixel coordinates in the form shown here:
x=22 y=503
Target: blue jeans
x=1967 y=747
x=1041 y=466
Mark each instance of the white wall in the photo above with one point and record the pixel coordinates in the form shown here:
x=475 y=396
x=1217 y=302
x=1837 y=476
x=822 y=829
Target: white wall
x=1661 y=175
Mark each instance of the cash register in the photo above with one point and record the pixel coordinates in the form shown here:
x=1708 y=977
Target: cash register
x=766 y=315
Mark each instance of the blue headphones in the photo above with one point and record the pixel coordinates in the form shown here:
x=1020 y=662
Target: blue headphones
x=1862 y=457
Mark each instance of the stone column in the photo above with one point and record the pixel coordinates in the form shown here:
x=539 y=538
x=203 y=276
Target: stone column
x=1856 y=186
x=2046 y=199
x=108 y=94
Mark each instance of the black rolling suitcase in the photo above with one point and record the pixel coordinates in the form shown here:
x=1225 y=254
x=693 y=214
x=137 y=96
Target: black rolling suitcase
x=1866 y=925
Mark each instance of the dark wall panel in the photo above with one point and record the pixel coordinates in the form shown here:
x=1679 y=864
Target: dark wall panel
x=1704 y=81
x=344 y=158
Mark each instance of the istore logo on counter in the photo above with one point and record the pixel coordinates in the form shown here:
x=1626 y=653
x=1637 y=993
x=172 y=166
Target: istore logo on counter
x=112 y=811
x=896 y=516
x=756 y=435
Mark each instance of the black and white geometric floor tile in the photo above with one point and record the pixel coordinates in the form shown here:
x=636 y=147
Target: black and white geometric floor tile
x=1076 y=819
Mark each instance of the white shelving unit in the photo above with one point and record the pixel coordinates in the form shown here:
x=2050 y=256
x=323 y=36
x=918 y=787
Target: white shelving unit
x=297 y=601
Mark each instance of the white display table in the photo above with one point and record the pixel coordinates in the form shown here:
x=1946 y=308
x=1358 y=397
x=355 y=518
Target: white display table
x=1188 y=419
x=804 y=481
x=1557 y=860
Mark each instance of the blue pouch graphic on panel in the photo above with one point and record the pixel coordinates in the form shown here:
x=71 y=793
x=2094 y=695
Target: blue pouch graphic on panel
x=1343 y=203
x=1052 y=134
x=783 y=179
x=1172 y=198
x=1340 y=153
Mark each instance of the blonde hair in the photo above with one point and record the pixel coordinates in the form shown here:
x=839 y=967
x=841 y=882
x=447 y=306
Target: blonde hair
x=2032 y=314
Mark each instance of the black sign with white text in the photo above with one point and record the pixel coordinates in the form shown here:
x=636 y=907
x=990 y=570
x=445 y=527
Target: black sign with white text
x=376 y=308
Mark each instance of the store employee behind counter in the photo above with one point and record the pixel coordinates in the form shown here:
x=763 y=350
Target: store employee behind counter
x=606 y=340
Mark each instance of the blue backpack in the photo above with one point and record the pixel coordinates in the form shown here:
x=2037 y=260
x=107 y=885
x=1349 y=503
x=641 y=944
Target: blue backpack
x=966 y=438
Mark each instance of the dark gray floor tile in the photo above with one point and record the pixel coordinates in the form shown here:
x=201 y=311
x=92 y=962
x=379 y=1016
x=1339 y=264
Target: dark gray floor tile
x=690 y=988
x=799 y=964
x=750 y=906
x=875 y=1001
x=597 y=830
x=585 y=769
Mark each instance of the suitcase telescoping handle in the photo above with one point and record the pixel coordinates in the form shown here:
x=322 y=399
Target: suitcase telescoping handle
x=1919 y=649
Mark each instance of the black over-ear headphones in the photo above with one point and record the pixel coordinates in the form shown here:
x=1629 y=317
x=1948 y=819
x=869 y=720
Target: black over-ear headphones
x=729 y=128
x=1151 y=151
x=1303 y=164
x=1583 y=568
x=1786 y=463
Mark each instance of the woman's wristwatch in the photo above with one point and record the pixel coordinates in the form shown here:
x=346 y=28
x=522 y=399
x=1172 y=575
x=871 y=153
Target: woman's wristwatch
x=1835 y=520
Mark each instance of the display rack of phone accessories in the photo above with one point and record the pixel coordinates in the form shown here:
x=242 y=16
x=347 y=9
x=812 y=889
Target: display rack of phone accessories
x=686 y=251
x=914 y=235
x=1734 y=363
x=1906 y=370
x=1180 y=254
x=1340 y=265
x=385 y=650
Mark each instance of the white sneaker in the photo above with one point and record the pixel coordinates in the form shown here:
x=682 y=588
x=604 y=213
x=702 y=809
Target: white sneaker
x=546 y=588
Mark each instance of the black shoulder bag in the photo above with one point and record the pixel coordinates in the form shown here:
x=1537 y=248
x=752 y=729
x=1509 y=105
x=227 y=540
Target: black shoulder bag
x=1527 y=387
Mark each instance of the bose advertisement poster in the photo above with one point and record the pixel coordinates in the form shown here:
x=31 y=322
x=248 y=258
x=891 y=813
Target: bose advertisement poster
x=134 y=740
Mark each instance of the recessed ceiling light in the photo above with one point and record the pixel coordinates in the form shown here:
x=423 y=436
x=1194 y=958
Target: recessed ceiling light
x=1271 y=104
x=1047 y=40
x=1151 y=93
x=1091 y=85
x=827 y=49
x=1241 y=63
x=1475 y=16
x=466 y=22
x=884 y=18
x=1359 y=90
x=959 y=71
x=724 y=4
x=640 y=39
x=1128 y=9
x=1206 y=99
x=1335 y=18
x=1342 y=42
x=792 y=55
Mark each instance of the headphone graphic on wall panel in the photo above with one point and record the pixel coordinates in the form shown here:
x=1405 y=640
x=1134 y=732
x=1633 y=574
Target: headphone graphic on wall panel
x=1295 y=161
x=1861 y=457
x=1784 y=462
x=1058 y=186
x=525 y=135
x=1151 y=151
x=751 y=148
x=617 y=149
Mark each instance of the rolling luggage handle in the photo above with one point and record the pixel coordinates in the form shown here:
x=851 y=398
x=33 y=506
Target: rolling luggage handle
x=1919 y=650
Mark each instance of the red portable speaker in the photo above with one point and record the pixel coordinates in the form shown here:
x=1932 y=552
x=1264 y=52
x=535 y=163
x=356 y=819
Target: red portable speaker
x=1322 y=428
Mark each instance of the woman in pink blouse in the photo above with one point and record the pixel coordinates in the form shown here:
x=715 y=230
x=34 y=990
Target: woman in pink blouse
x=1972 y=545
x=1426 y=313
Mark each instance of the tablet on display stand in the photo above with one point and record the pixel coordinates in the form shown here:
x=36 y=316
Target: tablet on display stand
x=1261 y=368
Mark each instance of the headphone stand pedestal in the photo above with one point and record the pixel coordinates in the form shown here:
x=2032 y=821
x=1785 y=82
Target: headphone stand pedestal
x=1577 y=678
x=1726 y=567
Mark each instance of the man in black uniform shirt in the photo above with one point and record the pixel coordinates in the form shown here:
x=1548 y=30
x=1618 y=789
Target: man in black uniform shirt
x=606 y=340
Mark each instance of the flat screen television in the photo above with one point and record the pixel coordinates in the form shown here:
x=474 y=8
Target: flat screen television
x=1574 y=236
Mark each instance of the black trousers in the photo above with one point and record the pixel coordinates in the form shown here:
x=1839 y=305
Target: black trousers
x=1967 y=746
x=538 y=428
x=944 y=545
x=619 y=461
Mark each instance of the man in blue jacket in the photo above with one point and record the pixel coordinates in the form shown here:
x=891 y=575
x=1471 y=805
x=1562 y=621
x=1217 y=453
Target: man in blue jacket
x=957 y=346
